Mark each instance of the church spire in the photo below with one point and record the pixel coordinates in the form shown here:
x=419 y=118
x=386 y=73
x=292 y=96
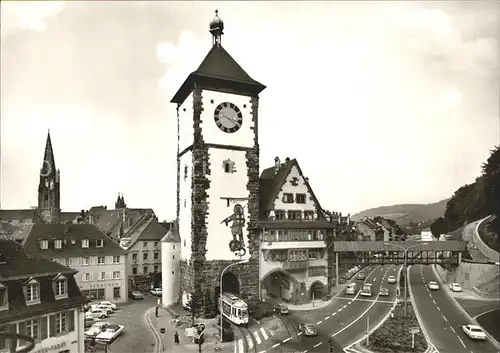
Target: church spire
x=49 y=163
x=217 y=28
x=48 y=188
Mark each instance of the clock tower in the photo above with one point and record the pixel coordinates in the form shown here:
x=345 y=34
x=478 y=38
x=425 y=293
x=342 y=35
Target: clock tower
x=218 y=179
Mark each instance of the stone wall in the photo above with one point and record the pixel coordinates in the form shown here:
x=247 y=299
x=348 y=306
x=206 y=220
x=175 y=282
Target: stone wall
x=469 y=274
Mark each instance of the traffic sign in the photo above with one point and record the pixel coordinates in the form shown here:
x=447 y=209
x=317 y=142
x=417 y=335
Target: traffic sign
x=189 y=331
x=414 y=330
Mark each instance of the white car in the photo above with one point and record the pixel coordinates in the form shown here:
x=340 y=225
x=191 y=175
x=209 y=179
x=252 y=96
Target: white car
x=475 y=332
x=156 y=291
x=96 y=328
x=433 y=285
x=97 y=313
x=455 y=287
x=108 y=304
x=104 y=308
x=110 y=333
x=391 y=279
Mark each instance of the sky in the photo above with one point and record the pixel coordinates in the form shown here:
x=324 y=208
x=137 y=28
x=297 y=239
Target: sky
x=380 y=102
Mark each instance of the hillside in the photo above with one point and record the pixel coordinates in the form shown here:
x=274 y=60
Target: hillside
x=406 y=213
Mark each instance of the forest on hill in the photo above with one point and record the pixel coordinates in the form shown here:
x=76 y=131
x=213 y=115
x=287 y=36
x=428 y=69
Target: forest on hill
x=474 y=201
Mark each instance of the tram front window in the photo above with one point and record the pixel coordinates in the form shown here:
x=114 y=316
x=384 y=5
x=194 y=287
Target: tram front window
x=243 y=313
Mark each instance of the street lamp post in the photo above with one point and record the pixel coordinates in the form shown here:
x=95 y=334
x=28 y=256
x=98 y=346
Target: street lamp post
x=220 y=293
x=405 y=267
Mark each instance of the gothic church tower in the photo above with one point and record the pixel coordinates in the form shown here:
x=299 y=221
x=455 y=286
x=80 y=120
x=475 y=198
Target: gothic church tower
x=218 y=179
x=49 y=198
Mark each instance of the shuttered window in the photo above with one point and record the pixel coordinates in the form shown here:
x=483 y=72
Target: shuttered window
x=43 y=327
x=52 y=325
x=70 y=316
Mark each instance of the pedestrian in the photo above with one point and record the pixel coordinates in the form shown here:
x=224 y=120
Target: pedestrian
x=156 y=311
x=176 y=337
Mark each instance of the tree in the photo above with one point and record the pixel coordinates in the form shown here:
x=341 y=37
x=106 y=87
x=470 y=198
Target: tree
x=491 y=173
x=438 y=227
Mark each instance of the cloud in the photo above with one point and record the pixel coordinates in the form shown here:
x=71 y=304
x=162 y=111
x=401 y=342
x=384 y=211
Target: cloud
x=30 y=15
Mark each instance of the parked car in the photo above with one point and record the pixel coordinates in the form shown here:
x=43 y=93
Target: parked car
x=391 y=279
x=89 y=320
x=473 y=331
x=96 y=329
x=136 y=295
x=104 y=308
x=98 y=313
x=109 y=334
x=108 y=304
x=308 y=330
x=361 y=276
x=156 y=291
x=433 y=285
x=280 y=309
x=384 y=292
x=455 y=287
x=351 y=288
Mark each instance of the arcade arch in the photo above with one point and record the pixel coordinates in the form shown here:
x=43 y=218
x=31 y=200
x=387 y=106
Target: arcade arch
x=279 y=284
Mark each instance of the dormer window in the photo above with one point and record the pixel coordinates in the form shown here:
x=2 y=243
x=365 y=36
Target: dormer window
x=99 y=243
x=32 y=292
x=4 y=300
x=60 y=287
x=85 y=243
x=44 y=244
x=58 y=244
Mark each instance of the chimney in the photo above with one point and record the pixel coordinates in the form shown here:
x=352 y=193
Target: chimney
x=287 y=160
x=277 y=165
x=66 y=228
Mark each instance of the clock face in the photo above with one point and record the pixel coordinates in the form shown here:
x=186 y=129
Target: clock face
x=228 y=117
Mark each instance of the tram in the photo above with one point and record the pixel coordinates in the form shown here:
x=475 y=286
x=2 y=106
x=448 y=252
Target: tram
x=234 y=309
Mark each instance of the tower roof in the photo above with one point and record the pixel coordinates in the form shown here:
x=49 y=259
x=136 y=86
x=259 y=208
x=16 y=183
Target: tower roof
x=49 y=163
x=219 y=70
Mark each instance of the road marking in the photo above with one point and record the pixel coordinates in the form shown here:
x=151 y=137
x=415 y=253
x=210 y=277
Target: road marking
x=463 y=344
x=333 y=314
x=340 y=309
x=453 y=330
x=433 y=301
x=241 y=345
x=368 y=300
x=264 y=334
x=249 y=341
x=299 y=334
x=438 y=308
x=326 y=318
x=276 y=345
x=257 y=337
x=288 y=339
x=319 y=322
x=262 y=351
x=318 y=344
x=445 y=318
x=272 y=333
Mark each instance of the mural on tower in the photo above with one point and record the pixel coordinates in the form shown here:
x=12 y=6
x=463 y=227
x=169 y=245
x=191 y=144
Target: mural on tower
x=237 y=219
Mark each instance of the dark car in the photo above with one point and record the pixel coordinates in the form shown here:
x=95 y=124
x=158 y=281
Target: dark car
x=308 y=329
x=280 y=309
x=136 y=295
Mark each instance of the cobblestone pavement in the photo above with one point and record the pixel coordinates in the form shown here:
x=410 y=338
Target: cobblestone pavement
x=136 y=337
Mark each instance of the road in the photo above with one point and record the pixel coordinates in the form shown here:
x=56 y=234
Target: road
x=344 y=320
x=440 y=316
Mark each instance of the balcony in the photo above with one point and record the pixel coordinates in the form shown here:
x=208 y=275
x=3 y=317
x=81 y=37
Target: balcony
x=299 y=244
x=295 y=265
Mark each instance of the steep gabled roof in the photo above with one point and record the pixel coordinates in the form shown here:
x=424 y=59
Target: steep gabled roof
x=220 y=70
x=271 y=184
x=152 y=231
x=30 y=215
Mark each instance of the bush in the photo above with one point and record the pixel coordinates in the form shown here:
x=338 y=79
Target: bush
x=260 y=310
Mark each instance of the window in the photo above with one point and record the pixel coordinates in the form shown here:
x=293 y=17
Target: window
x=145 y=256
x=156 y=255
x=116 y=259
x=4 y=342
x=144 y=244
x=173 y=257
x=100 y=260
x=102 y=276
x=155 y=244
x=280 y=215
x=134 y=257
x=116 y=293
x=61 y=288
x=184 y=242
x=185 y=172
x=134 y=270
x=287 y=198
x=4 y=301
x=32 y=293
x=316 y=271
x=116 y=274
x=228 y=166
x=58 y=244
x=86 y=261
x=85 y=243
x=155 y=269
x=145 y=270
x=60 y=323
x=295 y=215
x=309 y=215
x=315 y=254
x=44 y=244
x=300 y=198
x=33 y=328
x=86 y=277
x=297 y=255
x=99 y=243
